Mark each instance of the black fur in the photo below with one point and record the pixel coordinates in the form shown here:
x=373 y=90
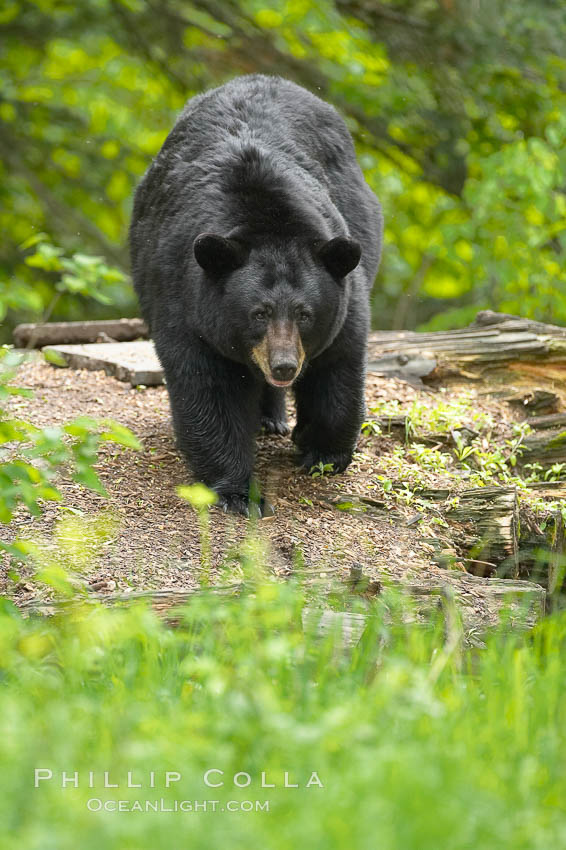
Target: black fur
x=271 y=170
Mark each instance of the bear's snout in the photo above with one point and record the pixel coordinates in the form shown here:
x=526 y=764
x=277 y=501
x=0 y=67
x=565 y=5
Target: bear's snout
x=280 y=354
x=284 y=372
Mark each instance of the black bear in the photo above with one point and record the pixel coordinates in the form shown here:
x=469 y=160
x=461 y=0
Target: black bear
x=255 y=241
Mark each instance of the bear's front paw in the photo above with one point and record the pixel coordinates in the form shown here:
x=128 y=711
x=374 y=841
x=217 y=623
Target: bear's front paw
x=236 y=503
x=315 y=462
x=274 y=426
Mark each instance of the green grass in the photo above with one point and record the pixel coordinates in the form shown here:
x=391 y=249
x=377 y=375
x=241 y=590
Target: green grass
x=417 y=746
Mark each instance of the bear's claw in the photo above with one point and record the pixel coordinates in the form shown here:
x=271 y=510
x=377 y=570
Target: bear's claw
x=236 y=503
x=274 y=426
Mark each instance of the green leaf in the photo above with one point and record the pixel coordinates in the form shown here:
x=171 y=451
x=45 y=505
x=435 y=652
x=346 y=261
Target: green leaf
x=88 y=477
x=54 y=357
x=198 y=495
x=120 y=434
x=57 y=578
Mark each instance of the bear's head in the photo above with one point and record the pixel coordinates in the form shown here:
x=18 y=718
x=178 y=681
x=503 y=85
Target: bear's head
x=282 y=302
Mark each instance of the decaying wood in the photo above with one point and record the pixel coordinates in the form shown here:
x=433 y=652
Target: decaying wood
x=543 y=552
x=534 y=402
x=546 y=446
x=557 y=558
x=523 y=601
x=495 y=347
x=132 y=362
x=52 y=333
x=489 y=521
x=542 y=539
x=553 y=420
x=496 y=536
x=348 y=626
x=554 y=490
x=397 y=425
x=485 y=318
x=162 y=601
x=489 y=532
x=486 y=524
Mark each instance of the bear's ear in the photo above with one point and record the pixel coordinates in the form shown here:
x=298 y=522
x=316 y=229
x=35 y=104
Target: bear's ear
x=218 y=255
x=340 y=255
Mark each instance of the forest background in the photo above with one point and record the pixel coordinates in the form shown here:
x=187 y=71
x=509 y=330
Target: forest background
x=458 y=111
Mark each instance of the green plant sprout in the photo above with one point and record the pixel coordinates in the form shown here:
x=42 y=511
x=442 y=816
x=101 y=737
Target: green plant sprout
x=201 y=498
x=320 y=469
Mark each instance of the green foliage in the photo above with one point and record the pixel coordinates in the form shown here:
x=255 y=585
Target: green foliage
x=31 y=457
x=457 y=111
x=452 y=443
x=198 y=495
x=201 y=498
x=320 y=469
x=79 y=274
x=418 y=744
x=509 y=249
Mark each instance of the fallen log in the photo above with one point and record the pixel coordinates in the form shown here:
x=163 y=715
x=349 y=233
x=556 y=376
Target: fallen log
x=494 y=536
x=555 y=490
x=534 y=402
x=53 y=333
x=489 y=532
x=480 y=602
x=547 y=447
x=496 y=347
x=485 y=527
x=553 y=420
x=542 y=540
x=161 y=601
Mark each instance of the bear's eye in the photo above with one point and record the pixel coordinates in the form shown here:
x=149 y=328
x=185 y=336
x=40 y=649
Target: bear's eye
x=303 y=315
x=261 y=314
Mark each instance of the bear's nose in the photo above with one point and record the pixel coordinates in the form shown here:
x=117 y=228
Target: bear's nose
x=284 y=371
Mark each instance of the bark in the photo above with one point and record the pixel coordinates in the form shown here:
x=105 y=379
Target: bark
x=496 y=348
x=51 y=333
x=546 y=447
x=523 y=600
x=485 y=528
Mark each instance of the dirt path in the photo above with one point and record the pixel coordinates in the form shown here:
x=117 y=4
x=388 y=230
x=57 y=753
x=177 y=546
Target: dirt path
x=154 y=542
